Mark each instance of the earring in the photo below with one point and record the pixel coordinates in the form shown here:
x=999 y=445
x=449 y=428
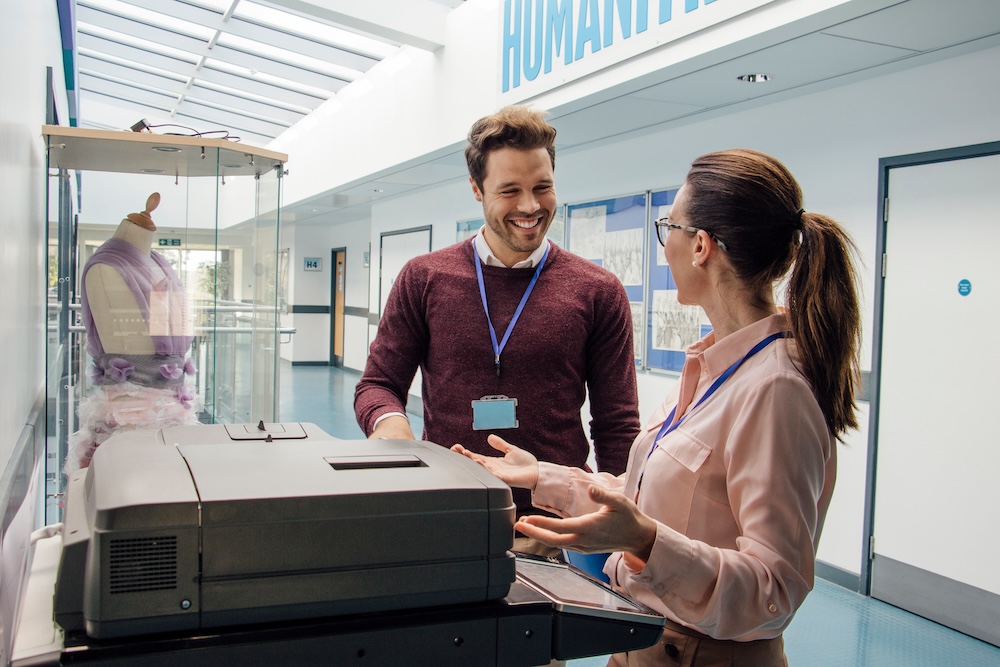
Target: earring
x=694 y=263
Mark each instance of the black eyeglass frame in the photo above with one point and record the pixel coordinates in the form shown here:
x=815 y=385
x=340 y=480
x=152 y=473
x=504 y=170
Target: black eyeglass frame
x=664 y=223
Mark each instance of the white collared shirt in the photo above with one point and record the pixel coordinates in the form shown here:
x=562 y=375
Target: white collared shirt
x=489 y=259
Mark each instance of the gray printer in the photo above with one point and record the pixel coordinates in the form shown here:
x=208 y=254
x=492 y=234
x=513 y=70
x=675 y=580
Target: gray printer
x=195 y=527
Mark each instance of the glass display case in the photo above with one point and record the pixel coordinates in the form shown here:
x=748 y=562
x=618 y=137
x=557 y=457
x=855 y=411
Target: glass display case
x=163 y=288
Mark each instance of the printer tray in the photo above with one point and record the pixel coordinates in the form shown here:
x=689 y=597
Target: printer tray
x=528 y=627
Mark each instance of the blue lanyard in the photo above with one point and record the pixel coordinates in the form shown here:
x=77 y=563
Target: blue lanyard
x=669 y=425
x=498 y=347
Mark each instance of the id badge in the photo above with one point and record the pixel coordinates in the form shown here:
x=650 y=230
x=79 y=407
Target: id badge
x=494 y=412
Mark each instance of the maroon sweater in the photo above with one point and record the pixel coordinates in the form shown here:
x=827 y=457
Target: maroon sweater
x=574 y=335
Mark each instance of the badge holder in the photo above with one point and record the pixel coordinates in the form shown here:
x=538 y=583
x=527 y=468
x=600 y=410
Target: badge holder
x=494 y=412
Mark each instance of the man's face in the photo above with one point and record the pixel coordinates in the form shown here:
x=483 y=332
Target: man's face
x=519 y=201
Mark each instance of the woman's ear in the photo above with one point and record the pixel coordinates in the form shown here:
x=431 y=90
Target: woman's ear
x=704 y=246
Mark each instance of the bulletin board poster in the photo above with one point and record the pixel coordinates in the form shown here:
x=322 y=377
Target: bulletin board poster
x=671 y=326
x=611 y=233
x=466 y=229
x=557 y=229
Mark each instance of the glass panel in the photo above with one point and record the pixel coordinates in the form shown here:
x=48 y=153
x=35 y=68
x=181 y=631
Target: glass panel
x=183 y=332
x=266 y=323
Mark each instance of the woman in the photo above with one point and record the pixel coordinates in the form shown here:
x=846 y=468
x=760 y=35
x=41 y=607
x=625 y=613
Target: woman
x=715 y=522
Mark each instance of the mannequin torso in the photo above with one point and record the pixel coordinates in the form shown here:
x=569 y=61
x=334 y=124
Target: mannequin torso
x=114 y=282
x=119 y=322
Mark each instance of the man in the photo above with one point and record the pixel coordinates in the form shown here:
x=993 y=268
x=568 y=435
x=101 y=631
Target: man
x=509 y=331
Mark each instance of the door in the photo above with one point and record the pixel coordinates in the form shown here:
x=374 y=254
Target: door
x=397 y=248
x=337 y=289
x=936 y=513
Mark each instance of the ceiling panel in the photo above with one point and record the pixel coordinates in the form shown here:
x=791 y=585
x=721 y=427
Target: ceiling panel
x=925 y=25
x=428 y=173
x=615 y=116
x=209 y=75
x=158 y=79
x=250 y=68
x=300 y=44
x=270 y=64
x=107 y=49
x=813 y=58
x=281 y=114
x=235 y=123
x=126 y=91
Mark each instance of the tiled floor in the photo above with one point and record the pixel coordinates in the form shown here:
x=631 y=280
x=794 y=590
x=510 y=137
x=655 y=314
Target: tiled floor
x=324 y=396
x=834 y=628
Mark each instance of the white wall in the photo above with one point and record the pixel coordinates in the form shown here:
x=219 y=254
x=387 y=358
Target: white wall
x=29 y=42
x=832 y=142
x=405 y=108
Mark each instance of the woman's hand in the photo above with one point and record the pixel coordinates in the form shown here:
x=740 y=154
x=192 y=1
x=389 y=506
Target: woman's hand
x=618 y=526
x=517 y=467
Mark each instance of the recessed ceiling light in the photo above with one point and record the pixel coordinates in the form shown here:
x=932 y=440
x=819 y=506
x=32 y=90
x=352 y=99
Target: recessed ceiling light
x=755 y=78
x=378 y=190
x=167 y=149
x=152 y=171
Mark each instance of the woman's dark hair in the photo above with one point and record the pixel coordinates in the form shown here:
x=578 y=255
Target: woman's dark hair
x=512 y=127
x=753 y=204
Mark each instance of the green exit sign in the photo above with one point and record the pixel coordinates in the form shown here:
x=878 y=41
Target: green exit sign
x=169 y=242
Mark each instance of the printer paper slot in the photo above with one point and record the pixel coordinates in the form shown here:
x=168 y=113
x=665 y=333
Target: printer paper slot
x=374 y=461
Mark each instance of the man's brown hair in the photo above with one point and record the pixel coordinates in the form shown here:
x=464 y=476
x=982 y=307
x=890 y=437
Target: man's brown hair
x=512 y=127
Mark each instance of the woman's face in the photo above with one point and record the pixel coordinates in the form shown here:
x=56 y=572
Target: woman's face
x=679 y=250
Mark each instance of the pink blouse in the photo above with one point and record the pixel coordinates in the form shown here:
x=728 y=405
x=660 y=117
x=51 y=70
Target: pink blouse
x=739 y=491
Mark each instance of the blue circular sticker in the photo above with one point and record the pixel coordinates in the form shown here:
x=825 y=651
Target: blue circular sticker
x=964 y=287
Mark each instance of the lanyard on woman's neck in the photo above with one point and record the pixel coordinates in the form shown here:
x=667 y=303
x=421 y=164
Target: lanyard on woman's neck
x=498 y=347
x=669 y=424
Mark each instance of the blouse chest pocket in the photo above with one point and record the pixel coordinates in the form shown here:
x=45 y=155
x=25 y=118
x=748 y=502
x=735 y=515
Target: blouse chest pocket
x=678 y=468
x=687 y=451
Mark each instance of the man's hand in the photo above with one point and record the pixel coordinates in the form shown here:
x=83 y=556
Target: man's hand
x=393 y=428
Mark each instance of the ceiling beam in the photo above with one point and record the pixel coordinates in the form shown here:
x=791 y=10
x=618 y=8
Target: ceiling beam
x=418 y=23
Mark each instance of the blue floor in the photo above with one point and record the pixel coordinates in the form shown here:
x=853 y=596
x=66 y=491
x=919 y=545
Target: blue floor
x=324 y=395
x=834 y=628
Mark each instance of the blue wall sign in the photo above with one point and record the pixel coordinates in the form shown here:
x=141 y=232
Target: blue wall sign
x=542 y=36
x=964 y=287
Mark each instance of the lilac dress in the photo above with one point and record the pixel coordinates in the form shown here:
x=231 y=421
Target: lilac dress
x=135 y=391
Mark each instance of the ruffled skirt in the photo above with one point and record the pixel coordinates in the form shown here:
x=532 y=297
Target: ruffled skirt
x=117 y=408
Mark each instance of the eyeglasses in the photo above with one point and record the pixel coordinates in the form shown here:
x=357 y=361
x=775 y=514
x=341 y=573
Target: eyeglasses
x=663 y=226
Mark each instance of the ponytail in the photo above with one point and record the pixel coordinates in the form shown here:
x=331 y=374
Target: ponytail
x=825 y=318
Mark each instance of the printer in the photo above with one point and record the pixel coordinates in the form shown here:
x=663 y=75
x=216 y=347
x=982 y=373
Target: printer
x=193 y=527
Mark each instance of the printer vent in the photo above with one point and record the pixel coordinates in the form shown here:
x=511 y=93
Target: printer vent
x=143 y=564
